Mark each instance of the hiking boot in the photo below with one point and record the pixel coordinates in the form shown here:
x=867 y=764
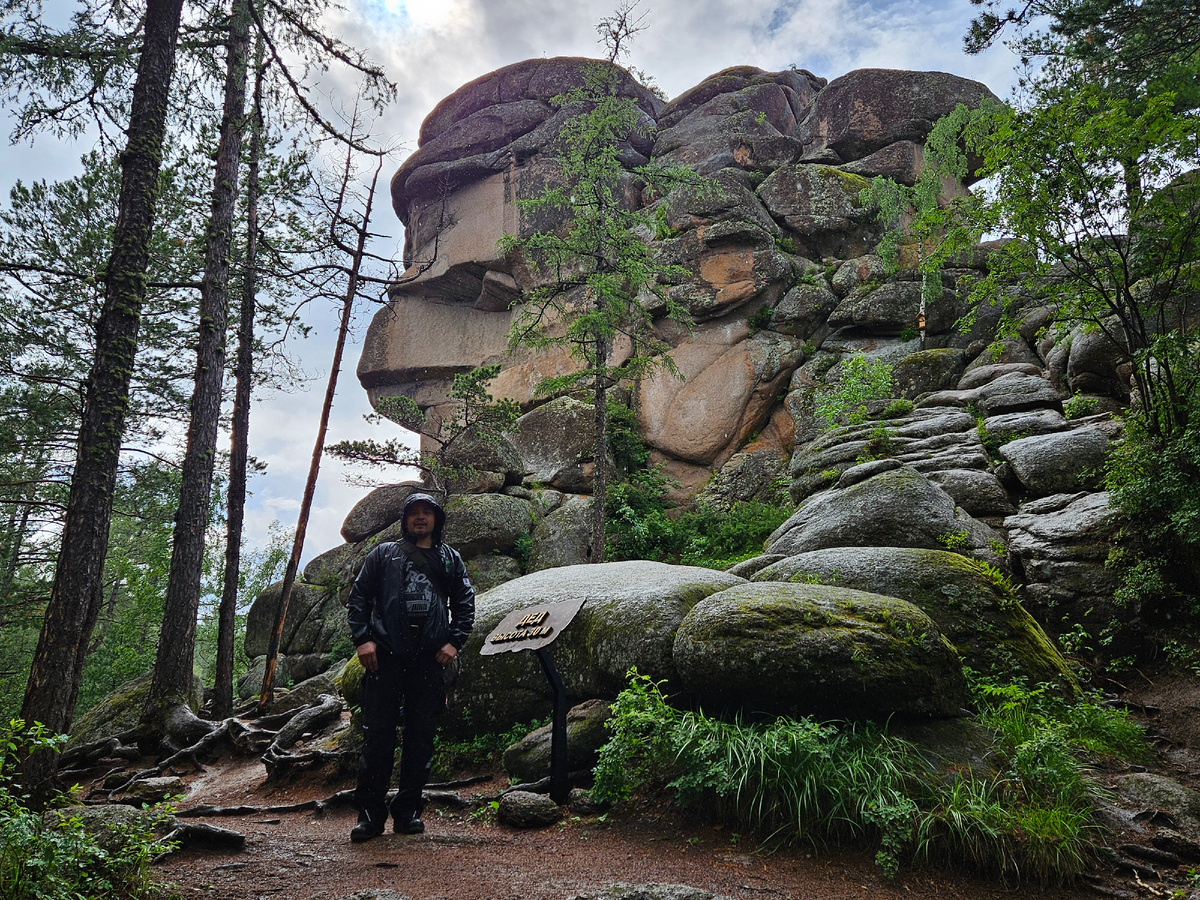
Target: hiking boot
x=408 y=826
x=364 y=831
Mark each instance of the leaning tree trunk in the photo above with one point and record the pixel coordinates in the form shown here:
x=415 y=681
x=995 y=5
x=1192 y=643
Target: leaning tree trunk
x=74 y=603
x=358 y=255
x=166 y=705
x=239 y=441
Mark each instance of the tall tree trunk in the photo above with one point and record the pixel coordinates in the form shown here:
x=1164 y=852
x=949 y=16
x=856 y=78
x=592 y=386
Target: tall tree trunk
x=53 y=685
x=289 y=576
x=173 y=663
x=239 y=441
x=599 y=451
x=14 y=554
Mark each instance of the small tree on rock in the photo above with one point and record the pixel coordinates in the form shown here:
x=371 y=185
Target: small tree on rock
x=599 y=282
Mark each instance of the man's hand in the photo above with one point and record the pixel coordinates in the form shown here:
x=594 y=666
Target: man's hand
x=447 y=653
x=366 y=656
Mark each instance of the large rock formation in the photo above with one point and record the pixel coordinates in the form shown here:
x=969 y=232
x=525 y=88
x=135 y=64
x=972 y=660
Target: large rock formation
x=784 y=157
x=909 y=519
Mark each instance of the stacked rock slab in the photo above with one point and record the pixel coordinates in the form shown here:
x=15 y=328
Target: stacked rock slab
x=783 y=159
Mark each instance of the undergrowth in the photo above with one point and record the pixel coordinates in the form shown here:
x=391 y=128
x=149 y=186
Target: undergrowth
x=479 y=751
x=54 y=857
x=638 y=526
x=1030 y=817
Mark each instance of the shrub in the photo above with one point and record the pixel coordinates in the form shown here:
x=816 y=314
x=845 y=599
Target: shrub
x=1079 y=406
x=57 y=859
x=478 y=751
x=796 y=779
x=639 y=527
x=862 y=380
x=1152 y=481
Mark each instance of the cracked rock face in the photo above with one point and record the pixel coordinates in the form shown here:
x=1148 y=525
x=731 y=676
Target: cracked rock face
x=783 y=156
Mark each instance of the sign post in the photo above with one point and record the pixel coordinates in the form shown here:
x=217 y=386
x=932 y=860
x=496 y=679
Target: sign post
x=535 y=628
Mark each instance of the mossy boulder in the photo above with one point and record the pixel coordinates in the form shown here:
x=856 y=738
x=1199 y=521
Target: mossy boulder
x=376 y=511
x=817 y=650
x=482 y=523
x=822 y=207
x=928 y=370
x=529 y=758
x=895 y=508
x=314 y=619
x=973 y=606
x=629 y=619
x=121 y=710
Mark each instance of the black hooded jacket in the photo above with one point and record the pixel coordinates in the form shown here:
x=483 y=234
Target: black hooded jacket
x=377 y=610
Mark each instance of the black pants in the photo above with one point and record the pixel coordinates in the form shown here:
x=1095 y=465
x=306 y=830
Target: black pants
x=416 y=689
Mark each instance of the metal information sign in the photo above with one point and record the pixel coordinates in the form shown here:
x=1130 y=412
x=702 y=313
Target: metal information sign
x=535 y=628
x=531 y=628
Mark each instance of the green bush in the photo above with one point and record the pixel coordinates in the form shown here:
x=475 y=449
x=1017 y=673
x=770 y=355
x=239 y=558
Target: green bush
x=638 y=527
x=793 y=780
x=478 y=751
x=1152 y=481
x=1079 y=406
x=58 y=859
x=862 y=380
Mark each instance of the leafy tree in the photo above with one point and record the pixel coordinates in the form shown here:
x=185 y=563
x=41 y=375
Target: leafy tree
x=862 y=380
x=63 y=78
x=599 y=278
x=1094 y=172
x=477 y=416
x=1149 y=43
x=937 y=226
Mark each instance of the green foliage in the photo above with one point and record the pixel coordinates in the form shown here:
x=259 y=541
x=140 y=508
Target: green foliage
x=476 y=416
x=802 y=780
x=630 y=453
x=955 y=541
x=522 y=550
x=785 y=244
x=1152 y=481
x=662 y=228
x=600 y=282
x=880 y=445
x=639 y=527
x=936 y=230
x=862 y=380
x=53 y=857
x=898 y=408
x=760 y=319
x=598 y=268
x=480 y=751
x=1079 y=406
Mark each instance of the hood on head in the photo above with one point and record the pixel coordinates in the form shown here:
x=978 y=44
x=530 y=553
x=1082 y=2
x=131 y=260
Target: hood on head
x=439 y=515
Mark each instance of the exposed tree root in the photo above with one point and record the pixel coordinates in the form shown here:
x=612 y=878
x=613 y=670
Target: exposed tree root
x=198 y=836
x=278 y=760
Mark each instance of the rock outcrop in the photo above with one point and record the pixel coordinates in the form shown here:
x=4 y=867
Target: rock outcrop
x=783 y=158
x=910 y=517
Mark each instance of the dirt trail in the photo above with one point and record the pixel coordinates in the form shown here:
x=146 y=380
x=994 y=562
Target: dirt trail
x=308 y=855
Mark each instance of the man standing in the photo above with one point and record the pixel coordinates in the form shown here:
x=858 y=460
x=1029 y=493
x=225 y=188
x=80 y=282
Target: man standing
x=411 y=610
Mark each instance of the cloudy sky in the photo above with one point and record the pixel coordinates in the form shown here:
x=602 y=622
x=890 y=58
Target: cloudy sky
x=431 y=47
